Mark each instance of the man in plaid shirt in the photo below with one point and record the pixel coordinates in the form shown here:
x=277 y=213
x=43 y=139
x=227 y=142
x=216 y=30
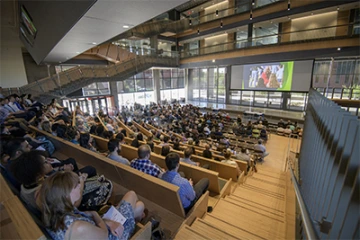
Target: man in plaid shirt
x=144 y=164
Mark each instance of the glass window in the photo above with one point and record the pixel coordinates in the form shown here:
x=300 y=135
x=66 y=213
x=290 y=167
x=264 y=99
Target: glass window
x=129 y=85
x=235 y=97
x=120 y=86
x=337 y=93
x=140 y=85
x=346 y=93
x=203 y=78
x=275 y=99
x=149 y=84
x=297 y=101
x=247 y=97
x=261 y=99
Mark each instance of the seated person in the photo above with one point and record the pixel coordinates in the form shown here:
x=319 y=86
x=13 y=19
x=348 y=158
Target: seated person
x=86 y=141
x=32 y=167
x=165 y=150
x=263 y=134
x=207 y=153
x=149 y=141
x=121 y=138
x=287 y=130
x=228 y=160
x=165 y=141
x=144 y=164
x=260 y=147
x=248 y=131
x=74 y=135
x=281 y=124
x=187 y=155
x=57 y=200
x=280 y=131
x=114 y=148
x=189 y=194
x=255 y=132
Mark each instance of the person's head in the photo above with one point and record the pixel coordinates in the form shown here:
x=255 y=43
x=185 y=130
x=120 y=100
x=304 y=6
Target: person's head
x=84 y=140
x=166 y=139
x=188 y=152
x=120 y=137
x=165 y=150
x=57 y=196
x=144 y=151
x=99 y=130
x=172 y=161
x=108 y=134
x=207 y=146
x=30 y=167
x=61 y=131
x=243 y=150
x=17 y=146
x=11 y=98
x=46 y=126
x=177 y=145
x=207 y=154
x=114 y=145
x=123 y=131
x=150 y=138
x=140 y=137
x=260 y=141
x=72 y=133
x=227 y=154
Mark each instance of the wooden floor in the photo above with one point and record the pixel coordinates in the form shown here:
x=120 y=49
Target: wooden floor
x=261 y=208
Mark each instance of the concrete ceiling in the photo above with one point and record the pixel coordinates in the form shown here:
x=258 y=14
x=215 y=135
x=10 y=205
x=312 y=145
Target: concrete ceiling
x=104 y=20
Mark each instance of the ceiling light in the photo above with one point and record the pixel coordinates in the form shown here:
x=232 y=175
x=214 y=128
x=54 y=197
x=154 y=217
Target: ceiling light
x=217 y=12
x=253 y=2
x=213 y=60
x=288 y=5
x=221 y=24
x=338 y=49
x=250 y=16
x=190 y=22
x=198 y=31
x=126 y=26
x=93 y=43
x=338 y=8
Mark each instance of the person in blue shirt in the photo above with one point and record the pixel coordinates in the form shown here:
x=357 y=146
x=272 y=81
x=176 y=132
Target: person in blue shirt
x=189 y=194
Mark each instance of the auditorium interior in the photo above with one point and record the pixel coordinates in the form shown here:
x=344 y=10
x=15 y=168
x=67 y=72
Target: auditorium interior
x=259 y=99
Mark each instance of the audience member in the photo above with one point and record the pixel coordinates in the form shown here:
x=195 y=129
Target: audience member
x=187 y=155
x=144 y=164
x=189 y=194
x=114 y=148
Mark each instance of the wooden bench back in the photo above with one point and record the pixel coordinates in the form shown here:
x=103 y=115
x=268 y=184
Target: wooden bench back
x=149 y=187
x=196 y=173
x=225 y=170
x=16 y=222
x=143 y=130
x=122 y=124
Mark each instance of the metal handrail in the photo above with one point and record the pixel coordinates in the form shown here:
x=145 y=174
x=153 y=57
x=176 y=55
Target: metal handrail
x=305 y=216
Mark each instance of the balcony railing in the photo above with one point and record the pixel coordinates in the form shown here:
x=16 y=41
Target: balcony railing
x=143 y=57
x=331 y=32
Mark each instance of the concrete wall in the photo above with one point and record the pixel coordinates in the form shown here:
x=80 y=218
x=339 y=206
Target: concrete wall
x=12 y=70
x=33 y=71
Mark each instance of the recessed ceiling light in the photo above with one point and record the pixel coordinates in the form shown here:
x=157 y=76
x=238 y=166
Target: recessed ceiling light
x=125 y=26
x=338 y=49
x=93 y=43
x=77 y=52
x=213 y=60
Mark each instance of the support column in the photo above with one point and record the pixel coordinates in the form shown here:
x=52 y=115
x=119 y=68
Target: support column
x=154 y=43
x=114 y=92
x=250 y=33
x=156 y=85
x=227 y=84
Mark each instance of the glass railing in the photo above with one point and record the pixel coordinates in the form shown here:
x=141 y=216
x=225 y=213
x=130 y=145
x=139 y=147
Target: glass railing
x=148 y=57
x=331 y=32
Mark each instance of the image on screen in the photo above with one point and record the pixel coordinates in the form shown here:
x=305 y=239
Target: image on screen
x=274 y=76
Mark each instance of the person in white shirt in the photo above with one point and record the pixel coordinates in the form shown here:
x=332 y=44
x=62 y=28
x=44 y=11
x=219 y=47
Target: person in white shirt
x=207 y=130
x=114 y=148
x=262 y=148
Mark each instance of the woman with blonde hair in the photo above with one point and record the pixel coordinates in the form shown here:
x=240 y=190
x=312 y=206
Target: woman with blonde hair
x=228 y=160
x=63 y=220
x=273 y=83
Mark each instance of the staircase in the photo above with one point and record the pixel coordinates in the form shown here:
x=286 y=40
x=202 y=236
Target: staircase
x=69 y=81
x=255 y=210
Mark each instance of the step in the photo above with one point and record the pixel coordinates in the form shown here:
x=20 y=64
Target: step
x=260 y=211
x=276 y=193
x=186 y=233
x=259 y=198
x=259 y=176
x=268 y=185
x=254 y=205
x=211 y=231
x=275 y=174
x=264 y=226
x=232 y=229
